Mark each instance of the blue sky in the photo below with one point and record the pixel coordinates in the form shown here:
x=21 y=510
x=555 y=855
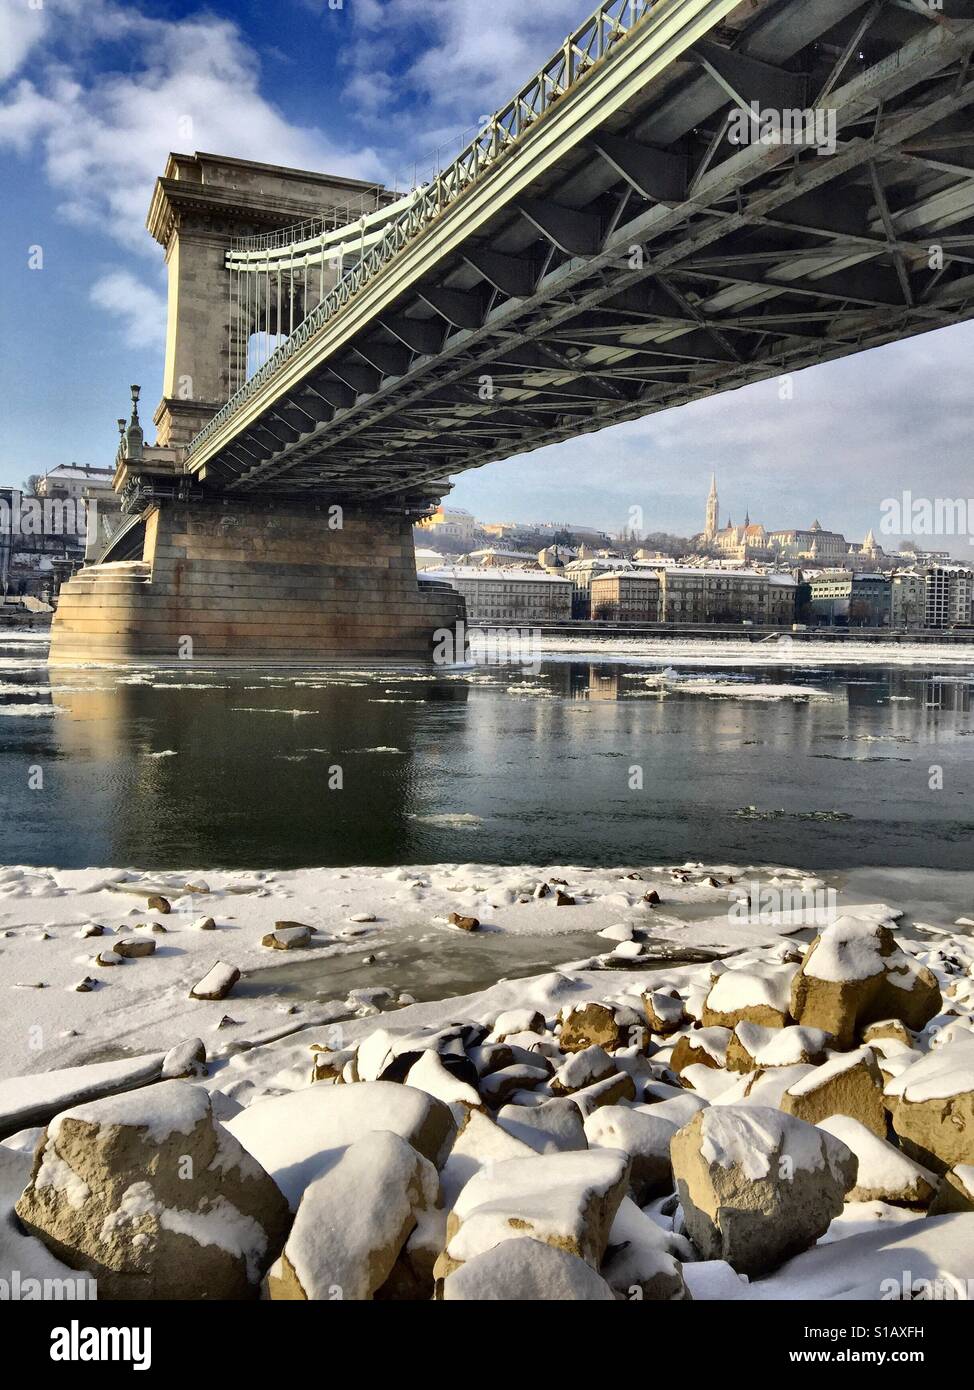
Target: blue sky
x=93 y=95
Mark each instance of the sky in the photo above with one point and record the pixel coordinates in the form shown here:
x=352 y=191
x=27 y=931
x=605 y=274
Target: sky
x=95 y=93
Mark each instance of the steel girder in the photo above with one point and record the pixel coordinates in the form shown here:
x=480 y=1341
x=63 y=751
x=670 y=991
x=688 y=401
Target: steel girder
x=626 y=277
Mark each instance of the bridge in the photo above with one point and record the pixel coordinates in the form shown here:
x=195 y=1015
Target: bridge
x=690 y=196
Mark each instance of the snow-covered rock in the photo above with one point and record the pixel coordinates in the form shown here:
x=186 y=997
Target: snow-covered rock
x=287 y=936
x=956 y=1191
x=642 y=1256
x=934 y=1110
x=354 y=1220
x=757 y=1185
x=217 y=983
x=527 y=1271
x=479 y=1141
x=855 y=973
x=552 y=1127
x=431 y=1075
x=885 y=1174
x=300 y=1135
x=664 y=1011
x=513 y=1021
x=752 y=1046
x=608 y=1025
x=152 y=1196
x=581 y=1069
x=563 y=1199
x=185 y=1060
x=752 y=996
x=930 y=1258
x=705 y=1047
x=849 y=1083
x=642 y=1134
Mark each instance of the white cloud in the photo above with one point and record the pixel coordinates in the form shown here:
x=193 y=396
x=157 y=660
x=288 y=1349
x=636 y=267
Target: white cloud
x=22 y=28
x=104 y=135
x=141 y=310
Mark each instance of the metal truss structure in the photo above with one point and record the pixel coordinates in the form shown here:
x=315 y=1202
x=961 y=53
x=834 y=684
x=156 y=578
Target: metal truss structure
x=611 y=245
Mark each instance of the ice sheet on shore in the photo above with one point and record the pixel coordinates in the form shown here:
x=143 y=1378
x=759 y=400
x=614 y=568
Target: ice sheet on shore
x=142 y=1005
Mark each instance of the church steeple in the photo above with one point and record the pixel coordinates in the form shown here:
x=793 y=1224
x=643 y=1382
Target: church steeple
x=713 y=523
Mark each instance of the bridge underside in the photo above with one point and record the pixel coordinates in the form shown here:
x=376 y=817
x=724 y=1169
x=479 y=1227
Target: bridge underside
x=628 y=256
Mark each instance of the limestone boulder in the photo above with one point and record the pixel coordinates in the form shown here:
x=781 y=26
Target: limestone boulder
x=131 y=948
x=956 y=1191
x=582 y=1069
x=749 y=996
x=752 y=1046
x=933 y=1113
x=513 y=1021
x=664 y=1011
x=849 y=1083
x=606 y=1025
x=353 y=1221
x=641 y=1134
x=891 y=1028
x=855 y=973
x=287 y=936
x=217 y=983
x=479 y=1141
x=554 y=1126
x=757 y=1185
x=706 y=1047
x=185 y=1060
x=300 y=1135
x=151 y=1195
x=527 y=1271
x=643 y=1260
x=567 y=1200
x=611 y=1090
x=885 y=1174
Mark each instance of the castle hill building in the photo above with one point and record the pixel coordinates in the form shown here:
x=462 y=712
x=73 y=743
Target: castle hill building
x=948 y=596
x=580 y=573
x=514 y=597
x=692 y=594
x=626 y=596
x=451 y=522
x=846 y=598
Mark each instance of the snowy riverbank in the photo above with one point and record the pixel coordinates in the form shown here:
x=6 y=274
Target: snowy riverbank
x=673 y=1051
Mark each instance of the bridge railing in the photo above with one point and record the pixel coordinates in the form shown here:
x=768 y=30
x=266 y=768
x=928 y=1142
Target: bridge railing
x=590 y=44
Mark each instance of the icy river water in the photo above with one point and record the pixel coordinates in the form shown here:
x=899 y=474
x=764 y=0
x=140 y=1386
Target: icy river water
x=596 y=761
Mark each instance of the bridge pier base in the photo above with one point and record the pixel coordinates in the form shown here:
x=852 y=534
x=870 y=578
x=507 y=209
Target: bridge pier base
x=239 y=583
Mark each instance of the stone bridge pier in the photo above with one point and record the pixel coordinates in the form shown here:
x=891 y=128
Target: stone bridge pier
x=227 y=581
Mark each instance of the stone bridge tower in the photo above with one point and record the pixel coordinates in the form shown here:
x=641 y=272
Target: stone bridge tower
x=200 y=205
x=241 y=579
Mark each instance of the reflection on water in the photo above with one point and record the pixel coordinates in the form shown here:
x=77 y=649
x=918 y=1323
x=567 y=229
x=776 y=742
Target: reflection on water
x=217 y=767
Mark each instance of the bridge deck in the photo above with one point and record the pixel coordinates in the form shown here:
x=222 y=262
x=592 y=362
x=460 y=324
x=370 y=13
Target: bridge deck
x=616 y=253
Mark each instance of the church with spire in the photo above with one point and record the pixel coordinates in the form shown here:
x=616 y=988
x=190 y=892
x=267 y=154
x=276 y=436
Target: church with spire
x=737 y=543
x=752 y=542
